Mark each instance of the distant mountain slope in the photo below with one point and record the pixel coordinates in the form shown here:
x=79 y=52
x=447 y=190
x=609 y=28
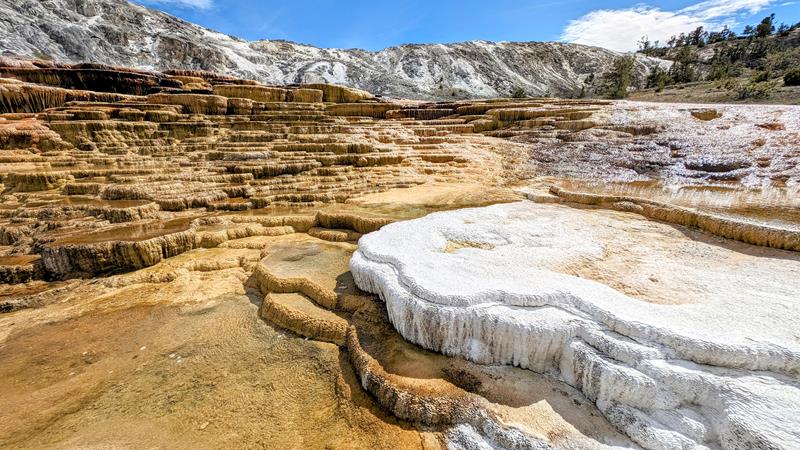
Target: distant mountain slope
x=120 y=33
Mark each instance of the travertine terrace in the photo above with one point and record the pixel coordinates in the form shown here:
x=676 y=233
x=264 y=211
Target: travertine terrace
x=619 y=307
x=159 y=164
x=176 y=255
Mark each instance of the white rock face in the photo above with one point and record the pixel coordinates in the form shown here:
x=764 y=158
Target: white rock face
x=695 y=346
x=121 y=33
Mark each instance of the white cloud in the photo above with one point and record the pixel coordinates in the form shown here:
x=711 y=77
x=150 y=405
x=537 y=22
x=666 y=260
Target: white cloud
x=195 y=4
x=715 y=9
x=620 y=29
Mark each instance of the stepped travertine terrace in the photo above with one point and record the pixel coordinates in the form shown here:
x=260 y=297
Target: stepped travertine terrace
x=576 y=293
x=106 y=169
x=206 y=261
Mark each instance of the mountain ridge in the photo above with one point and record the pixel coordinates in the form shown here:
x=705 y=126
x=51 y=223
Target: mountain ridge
x=121 y=33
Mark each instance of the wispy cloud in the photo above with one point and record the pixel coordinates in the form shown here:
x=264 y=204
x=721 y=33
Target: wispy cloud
x=192 y=4
x=620 y=29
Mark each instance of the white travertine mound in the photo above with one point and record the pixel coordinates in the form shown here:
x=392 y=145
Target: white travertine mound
x=695 y=346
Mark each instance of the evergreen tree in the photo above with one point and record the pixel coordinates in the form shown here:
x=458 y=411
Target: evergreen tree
x=766 y=27
x=658 y=78
x=617 y=81
x=518 y=92
x=697 y=37
x=682 y=70
x=644 y=44
x=727 y=34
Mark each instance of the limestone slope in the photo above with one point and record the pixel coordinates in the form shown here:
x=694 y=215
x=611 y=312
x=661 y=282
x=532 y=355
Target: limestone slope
x=120 y=33
x=680 y=342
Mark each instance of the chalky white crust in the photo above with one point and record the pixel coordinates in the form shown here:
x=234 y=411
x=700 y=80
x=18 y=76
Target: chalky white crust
x=718 y=367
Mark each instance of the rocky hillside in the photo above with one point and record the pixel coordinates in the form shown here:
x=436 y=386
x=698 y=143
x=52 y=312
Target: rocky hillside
x=761 y=65
x=120 y=33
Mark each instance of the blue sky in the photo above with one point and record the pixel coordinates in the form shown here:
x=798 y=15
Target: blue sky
x=374 y=25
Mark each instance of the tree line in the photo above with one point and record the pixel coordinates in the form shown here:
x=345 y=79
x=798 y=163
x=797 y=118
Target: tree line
x=751 y=63
x=701 y=37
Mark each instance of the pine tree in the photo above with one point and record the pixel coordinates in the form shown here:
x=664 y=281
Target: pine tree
x=766 y=27
x=617 y=81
